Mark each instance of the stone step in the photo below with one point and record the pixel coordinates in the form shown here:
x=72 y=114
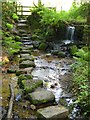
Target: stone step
x=22 y=40
x=41 y=97
x=25 y=51
x=22 y=21
x=27 y=63
x=22 y=26
x=26 y=38
x=24 y=71
x=31 y=58
x=53 y=113
x=22 y=31
x=27 y=47
x=27 y=43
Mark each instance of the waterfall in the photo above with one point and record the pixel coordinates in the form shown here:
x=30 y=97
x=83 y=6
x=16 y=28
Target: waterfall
x=70 y=33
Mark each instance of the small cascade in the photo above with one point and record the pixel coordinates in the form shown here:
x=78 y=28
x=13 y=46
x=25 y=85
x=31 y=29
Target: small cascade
x=70 y=33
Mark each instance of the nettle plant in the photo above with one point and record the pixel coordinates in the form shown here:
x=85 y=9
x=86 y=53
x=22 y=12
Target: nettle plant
x=9 y=19
x=81 y=75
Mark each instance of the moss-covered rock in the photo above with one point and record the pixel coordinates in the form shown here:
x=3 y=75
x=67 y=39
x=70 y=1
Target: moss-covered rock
x=31 y=85
x=41 y=97
x=42 y=46
x=31 y=58
x=61 y=54
x=23 y=77
x=27 y=63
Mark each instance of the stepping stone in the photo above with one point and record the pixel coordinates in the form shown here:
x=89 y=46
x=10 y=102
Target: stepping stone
x=24 y=58
x=24 y=55
x=25 y=51
x=22 y=31
x=27 y=43
x=31 y=85
x=27 y=47
x=24 y=71
x=22 y=21
x=26 y=38
x=41 y=97
x=21 y=25
x=53 y=113
x=27 y=63
x=22 y=40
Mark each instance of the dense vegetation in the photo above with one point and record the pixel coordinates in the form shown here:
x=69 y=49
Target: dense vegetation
x=81 y=75
x=9 y=32
x=47 y=24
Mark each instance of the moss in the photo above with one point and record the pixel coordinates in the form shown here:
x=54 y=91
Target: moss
x=61 y=54
x=30 y=85
x=73 y=49
x=23 y=77
x=42 y=46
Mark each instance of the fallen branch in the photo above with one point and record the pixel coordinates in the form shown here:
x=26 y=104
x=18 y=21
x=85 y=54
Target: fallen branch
x=9 y=115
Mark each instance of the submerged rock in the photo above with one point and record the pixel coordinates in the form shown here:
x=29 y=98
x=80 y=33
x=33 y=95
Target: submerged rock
x=53 y=113
x=41 y=97
x=27 y=63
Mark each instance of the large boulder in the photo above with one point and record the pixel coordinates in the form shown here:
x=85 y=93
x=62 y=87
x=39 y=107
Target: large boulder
x=41 y=97
x=53 y=113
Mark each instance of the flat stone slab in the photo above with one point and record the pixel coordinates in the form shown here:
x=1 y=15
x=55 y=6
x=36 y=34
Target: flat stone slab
x=27 y=48
x=31 y=85
x=27 y=63
x=24 y=55
x=41 y=97
x=24 y=71
x=53 y=113
x=24 y=58
x=25 y=51
x=21 y=25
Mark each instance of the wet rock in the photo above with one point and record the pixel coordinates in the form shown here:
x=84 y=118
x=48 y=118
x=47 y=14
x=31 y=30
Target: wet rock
x=53 y=112
x=31 y=85
x=36 y=44
x=18 y=97
x=41 y=97
x=63 y=102
x=27 y=63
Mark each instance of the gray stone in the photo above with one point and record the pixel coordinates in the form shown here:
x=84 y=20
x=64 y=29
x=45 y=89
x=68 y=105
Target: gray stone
x=41 y=97
x=30 y=85
x=27 y=63
x=53 y=112
x=27 y=47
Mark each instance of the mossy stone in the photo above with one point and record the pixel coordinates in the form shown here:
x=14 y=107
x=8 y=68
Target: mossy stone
x=31 y=85
x=42 y=46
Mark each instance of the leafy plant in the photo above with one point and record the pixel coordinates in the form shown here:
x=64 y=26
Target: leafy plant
x=81 y=75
